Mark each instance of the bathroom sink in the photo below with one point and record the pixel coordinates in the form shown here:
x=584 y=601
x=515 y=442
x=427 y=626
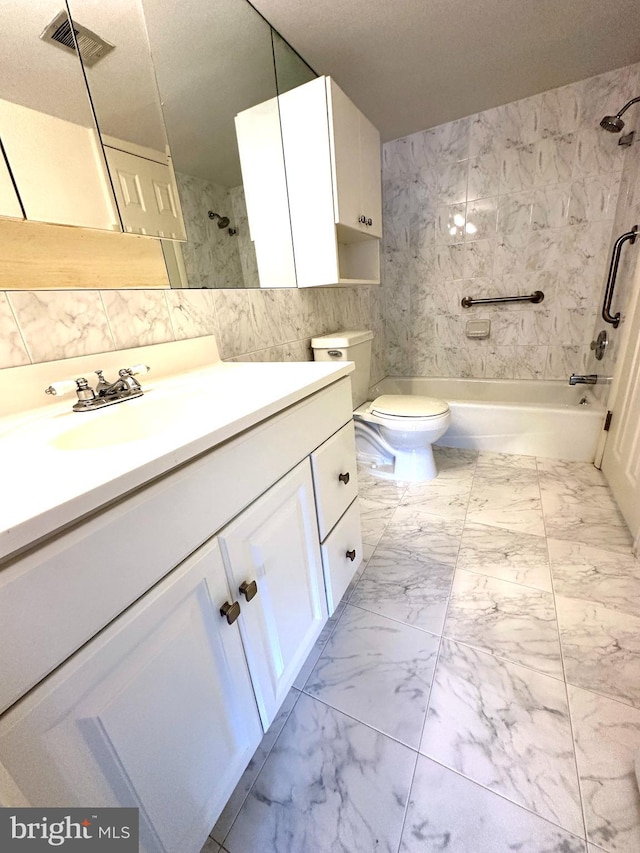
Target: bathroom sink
x=133 y=420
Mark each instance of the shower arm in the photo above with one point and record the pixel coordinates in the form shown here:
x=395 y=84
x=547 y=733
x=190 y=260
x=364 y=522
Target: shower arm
x=627 y=105
x=607 y=316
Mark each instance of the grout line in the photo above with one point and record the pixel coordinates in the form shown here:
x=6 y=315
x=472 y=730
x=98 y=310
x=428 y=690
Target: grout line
x=564 y=671
x=437 y=661
x=246 y=796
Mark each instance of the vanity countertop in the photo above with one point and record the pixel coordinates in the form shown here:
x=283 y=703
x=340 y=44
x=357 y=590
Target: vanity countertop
x=58 y=466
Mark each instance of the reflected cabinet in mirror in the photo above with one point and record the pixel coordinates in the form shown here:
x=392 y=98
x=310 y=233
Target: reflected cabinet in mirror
x=112 y=41
x=52 y=166
x=219 y=105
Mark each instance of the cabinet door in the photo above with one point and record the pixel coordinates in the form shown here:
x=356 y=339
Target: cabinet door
x=157 y=712
x=9 y=202
x=370 y=176
x=58 y=167
x=275 y=543
x=344 y=127
x=147 y=195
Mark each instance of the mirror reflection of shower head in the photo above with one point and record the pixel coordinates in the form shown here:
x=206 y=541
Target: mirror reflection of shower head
x=614 y=124
x=223 y=221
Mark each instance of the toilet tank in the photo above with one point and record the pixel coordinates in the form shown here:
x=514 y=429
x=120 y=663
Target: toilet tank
x=348 y=346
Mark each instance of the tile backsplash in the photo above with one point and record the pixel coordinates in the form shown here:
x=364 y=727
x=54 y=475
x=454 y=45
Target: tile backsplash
x=515 y=199
x=250 y=325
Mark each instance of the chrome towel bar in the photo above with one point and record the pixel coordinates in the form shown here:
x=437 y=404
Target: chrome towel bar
x=607 y=316
x=536 y=296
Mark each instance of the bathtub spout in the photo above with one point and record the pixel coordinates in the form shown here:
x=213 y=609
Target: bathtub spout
x=590 y=379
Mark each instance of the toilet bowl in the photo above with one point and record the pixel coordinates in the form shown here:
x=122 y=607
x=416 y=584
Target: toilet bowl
x=394 y=433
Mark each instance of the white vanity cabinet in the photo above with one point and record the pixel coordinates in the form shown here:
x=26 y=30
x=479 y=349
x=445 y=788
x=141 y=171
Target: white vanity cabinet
x=332 y=163
x=156 y=712
x=145 y=649
x=336 y=486
x=275 y=569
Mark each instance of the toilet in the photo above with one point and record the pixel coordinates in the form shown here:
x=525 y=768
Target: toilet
x=394 y=433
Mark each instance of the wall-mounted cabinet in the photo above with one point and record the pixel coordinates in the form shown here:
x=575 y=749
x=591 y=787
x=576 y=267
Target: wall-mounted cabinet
x=332 y=163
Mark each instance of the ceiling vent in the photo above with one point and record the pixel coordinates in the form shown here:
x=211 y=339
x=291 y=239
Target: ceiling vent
x=92 y=48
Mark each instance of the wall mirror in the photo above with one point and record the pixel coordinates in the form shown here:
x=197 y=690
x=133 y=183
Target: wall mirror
x=111 y=39
x=47 y=125
x=208 y=103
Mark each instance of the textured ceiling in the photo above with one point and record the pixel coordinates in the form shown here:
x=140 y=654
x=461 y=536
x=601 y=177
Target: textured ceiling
x=414 y=64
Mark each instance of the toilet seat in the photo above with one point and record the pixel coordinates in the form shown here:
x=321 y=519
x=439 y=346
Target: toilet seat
x=408 y=406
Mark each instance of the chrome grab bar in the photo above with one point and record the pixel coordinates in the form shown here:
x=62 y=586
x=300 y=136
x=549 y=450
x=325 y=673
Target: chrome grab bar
x=536 y=296
x=607 y=316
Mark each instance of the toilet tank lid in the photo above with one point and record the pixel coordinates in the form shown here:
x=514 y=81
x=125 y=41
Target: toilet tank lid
x=341 y=339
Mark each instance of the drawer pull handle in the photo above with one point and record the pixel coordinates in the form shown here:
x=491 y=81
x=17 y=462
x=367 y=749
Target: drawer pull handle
x=351 y=555
x=249 y=590
x=344 y=478
x=231 y=611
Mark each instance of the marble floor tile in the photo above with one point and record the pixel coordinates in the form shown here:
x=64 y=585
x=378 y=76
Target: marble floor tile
x=583 y=513
x=447 y=497
x=374 y=517
x=377 y=671
x=427 y=534
x=508 y=498
x=607 y=738
x=330 y=785
x=601 y=648
x=507 y=728
x=405 y=586
x=489 y=459
x=448 y=812
x=563 y=471
x=388 y=492
x=211 y=846
x=596 y=574
x=453 y=462
x=318 y=646
x=505 y=554
x=506 y=619
x=239 y=795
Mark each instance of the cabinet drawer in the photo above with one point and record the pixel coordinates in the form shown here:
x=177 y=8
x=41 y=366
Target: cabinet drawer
x=57 y=597
x=339 y=568
x=335 y=479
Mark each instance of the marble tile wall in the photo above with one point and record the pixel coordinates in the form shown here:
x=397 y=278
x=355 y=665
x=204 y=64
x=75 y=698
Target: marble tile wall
x=519 y=198
x=212 y=257
x=250 y=325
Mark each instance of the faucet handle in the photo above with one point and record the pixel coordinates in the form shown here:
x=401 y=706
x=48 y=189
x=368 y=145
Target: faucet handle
x=65 y=386
x=138 y=368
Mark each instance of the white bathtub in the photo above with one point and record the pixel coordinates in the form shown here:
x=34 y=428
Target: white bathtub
x=512 y=416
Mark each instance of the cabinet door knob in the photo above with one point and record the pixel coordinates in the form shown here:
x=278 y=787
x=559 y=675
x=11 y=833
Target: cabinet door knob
x=362 y=220
x=231 y=611
x=249 y=590
x=369 y=222
x=344 y=478
x=351 y=555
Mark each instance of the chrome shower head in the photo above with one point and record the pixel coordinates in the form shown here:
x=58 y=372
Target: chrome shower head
x=614 y=124
x=223 y=221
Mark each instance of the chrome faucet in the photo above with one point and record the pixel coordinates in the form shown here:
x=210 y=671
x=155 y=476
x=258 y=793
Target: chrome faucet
x=126 y=387
x=589 y=379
